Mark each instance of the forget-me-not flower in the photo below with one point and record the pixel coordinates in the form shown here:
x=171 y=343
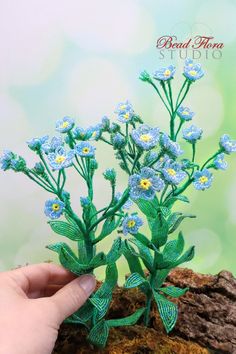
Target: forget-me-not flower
x=165 y=73
x=35 y=144
x=173 y=173
x=219 y=162
x=85 y=149
x=145 y=184
x=185 y=113
x=131 y=224
x=192 y=134
x=145 y=137
x=202 y=179
x=60 y=159
x=192 y=71
x=54 y=208
x=65 y=124
x=227 y=144
x=169 y=146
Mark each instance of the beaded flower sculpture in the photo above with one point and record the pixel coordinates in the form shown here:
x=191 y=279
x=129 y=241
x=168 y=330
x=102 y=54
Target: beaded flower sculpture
x=158 y=176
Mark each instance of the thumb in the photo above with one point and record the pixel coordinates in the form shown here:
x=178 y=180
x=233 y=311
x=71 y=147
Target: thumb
x=73 y=295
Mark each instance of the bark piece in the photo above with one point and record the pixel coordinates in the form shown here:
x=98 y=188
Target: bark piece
x=206 y=323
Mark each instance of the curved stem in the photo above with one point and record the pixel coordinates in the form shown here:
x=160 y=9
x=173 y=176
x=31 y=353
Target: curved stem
x=210 y=158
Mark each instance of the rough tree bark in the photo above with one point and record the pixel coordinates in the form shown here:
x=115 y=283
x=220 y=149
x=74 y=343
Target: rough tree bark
x=206 y=323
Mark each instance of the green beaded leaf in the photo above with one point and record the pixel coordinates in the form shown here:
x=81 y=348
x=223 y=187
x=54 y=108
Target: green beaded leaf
x=173 y=291
x=176 y=220
x=83 y=315
x=126 y=321
x=65 y=229
x=109 y=283
x=108 y=227
x=101 y=304
x=92 y=213
x=161 y=276
x=144 y=253
x=186 y=257
x=147 y=208
x=99 y=334
x=168 y=311
x=134 y=280
x=174 y=248
x=159 y=230
x=143 y=239
x=69 y=260
x=98 y=260
x=70 y=220
x=116 y=250
x=165 y=211
x=170 y=202
x=133 y=261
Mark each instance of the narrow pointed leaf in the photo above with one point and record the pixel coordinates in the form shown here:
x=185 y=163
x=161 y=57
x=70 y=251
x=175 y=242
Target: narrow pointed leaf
x=134 y=280
x=108 y=227
x=147 y=208
x=178 y=221
x=126 y=321
x=116 y=250
x=168 y=311
x=133 y=261
x=65 y=229
x=159 y=230
x=99 y=334
x=173 y=291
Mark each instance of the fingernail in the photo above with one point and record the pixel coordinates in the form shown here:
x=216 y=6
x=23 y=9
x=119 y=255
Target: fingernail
x=88 y=283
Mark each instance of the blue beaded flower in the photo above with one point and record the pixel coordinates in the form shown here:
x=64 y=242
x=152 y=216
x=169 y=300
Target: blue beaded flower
x=192 y=71
x=227 y=144
x=125 y=117
x=80 y=133
x=145 y=184
x=131 y=224
x=55 y=143
x=54 y=208
x=94 y=132
x=220 y=163
x=202 y=179
x=85 y=149
x=35 y=144
x=145 y=137
x=192 y=134
x=165 y=73
x=172 y=172
x=6 y=160
x=169 y=146
x=123 y=107
x=60 y=159
x=185 y=113
x=65 y=124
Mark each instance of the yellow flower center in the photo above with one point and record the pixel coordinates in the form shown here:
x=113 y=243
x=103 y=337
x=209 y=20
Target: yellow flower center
x=86 y=150
x=94 y=134
x=145 y=183
x=123 y=106
x=126 y=115
x=185 y=113
x=145 y=137
x=171 y=171
x=59 y=159
x=189 y=133
x=203 y=179
x=193 y=72
x=131 y=223
x=167 y=72
x=65 y=124
x=55 y=207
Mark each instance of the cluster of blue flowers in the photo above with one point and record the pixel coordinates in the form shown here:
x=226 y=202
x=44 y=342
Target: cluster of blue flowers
x=125 y=112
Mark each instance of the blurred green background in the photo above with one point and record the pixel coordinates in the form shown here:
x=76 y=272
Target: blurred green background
x=79 y=58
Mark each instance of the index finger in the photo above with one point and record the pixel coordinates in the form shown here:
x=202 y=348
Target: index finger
x=38 y=276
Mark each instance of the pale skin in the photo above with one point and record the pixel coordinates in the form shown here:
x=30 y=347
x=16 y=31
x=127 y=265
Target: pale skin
x=34 y=301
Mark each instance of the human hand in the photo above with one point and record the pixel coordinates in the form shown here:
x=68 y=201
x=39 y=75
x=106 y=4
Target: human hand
x=34 y=301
